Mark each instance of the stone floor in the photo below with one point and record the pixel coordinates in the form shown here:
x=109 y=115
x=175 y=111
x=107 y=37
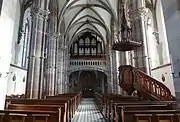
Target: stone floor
x=88 y=112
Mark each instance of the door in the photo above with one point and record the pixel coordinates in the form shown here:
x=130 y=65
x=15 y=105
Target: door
x=88 y=80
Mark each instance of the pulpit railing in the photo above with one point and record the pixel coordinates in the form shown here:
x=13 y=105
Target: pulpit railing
x=133 y=79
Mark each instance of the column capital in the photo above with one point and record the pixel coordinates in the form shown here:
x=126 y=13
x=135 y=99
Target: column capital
x=63 y=47
x=40 y=13
x=54 y=35
x=138 y=13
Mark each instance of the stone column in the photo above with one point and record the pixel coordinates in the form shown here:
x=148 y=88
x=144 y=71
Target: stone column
x=138 y=16
x=102 y=82
x=114 y=59
x=109 y=67
x=66 y=64
x=114 y=72
x=51 y=68
x=118 y=63
x=59 y=62
x=60 y=68
x=39 y=12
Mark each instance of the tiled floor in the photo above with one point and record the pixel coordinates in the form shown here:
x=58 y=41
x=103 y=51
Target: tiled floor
x=88 y=112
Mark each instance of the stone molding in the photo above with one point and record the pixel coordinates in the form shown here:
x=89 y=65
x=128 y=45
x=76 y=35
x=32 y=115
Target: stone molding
x=138 y=13
x=71 y=70
x=40 y=13
x=54 y=35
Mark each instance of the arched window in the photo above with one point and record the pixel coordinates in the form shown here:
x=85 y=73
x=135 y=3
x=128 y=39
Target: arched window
x=81 y=42
x=87 y=41
x=99 y=48
x=26 y=40
x=93 y=42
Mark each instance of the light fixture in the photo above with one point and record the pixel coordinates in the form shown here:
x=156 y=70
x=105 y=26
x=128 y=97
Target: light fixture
x=163 y=78
x=14 y=77
x=24 y=79
x=175 y=75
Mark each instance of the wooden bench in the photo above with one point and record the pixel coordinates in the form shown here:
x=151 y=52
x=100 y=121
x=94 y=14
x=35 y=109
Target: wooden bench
x=114 y=103
x=106 y=100
x=150 y=116
x=62 y=116
x=65 y=109
x=78 y=95
x=28 y=116
x=74 y=100
x=118 y=109
x=68 y=103
x=138 y=105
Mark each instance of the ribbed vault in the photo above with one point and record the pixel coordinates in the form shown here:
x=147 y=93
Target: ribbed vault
x=95 y=16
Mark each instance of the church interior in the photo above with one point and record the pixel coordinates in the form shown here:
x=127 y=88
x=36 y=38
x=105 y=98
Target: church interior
x=89 y=60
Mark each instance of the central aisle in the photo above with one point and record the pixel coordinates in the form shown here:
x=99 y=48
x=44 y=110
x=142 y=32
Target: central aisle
x=88 y=112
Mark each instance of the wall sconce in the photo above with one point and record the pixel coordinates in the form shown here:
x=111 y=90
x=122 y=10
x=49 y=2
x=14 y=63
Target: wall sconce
x=14 y=77
x=175 y=75
x=163 y=78
x=24 y=79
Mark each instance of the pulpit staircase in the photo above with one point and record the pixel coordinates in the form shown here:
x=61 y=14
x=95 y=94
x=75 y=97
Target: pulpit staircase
x=134 y=80
x=153 y=102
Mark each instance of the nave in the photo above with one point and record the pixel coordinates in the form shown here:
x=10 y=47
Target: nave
x=148 y=101
x=59 y=51
x=88 y=112
x=104 y=107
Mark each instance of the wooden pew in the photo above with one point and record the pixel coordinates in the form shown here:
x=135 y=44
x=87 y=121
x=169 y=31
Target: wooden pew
x=141 y=104
x=28 y=116
x=106 y=100
x=119 y=109
x=74 y=99
x=56 y=108
x=70 y=102
x=78 y=95
x=63 y=103
x=99 y=101
x=150 y=116
x=109 y=99
x=110 y=102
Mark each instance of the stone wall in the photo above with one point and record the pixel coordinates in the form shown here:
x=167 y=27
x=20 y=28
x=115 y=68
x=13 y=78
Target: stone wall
x=171 y=9
x=7 y=28
x=16 y=80
x=163 y=75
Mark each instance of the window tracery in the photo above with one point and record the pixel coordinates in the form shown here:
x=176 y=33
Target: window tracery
x=87 y=45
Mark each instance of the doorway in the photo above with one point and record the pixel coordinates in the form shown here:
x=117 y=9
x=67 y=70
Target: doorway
x=88 y=82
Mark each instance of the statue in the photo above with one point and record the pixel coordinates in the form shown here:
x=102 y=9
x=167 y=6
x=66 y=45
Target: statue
x=126 y=30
